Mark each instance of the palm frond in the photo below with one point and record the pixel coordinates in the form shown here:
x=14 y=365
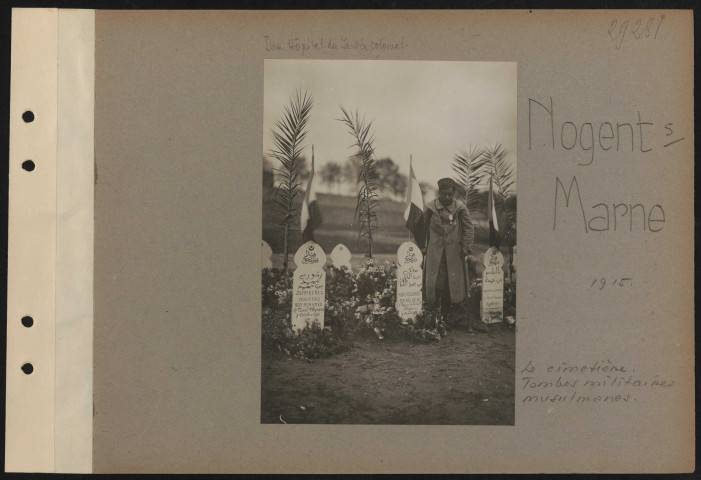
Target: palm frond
x=288 y=140
x=503 y=170
x=473 y=168
x=368 y=199
x=468 y=165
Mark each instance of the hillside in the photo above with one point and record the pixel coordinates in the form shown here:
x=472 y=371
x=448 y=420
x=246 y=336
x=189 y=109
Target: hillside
x=339 y=226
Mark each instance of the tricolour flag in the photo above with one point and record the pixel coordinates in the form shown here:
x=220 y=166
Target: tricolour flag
x=310 y=215
x=493 y=223
x=414 y=213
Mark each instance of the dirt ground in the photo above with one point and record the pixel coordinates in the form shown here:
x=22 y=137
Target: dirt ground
x=464 y=379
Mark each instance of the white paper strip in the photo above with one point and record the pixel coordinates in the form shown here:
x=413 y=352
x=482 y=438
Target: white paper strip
x=29 y=431
x=75 y=179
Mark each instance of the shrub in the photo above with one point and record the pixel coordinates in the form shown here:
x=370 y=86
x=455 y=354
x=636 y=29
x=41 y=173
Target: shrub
x=277 y=333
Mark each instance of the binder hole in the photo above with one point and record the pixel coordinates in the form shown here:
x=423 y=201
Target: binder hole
x=27 y=368
x=28 y=165
x=28 y=116
x=27 y=321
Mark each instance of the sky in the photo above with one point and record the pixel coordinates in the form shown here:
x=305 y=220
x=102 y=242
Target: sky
x=429 y=110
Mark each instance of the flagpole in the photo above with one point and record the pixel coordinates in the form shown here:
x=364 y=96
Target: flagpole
x=410 y=186
x=467 y=180
x=491 y=206
x=306 y=214
x=492 y=215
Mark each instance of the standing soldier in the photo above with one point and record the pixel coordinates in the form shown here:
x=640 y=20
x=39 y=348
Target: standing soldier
x=449 y=239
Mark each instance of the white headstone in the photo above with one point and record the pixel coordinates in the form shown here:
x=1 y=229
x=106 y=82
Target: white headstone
x=341 y=256
x=266 y=256
x=493 y=286
x=308 y=286
x=409 y=281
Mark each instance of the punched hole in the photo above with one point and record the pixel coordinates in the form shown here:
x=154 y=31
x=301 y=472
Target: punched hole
x=27 y=321
x=28 y=116
x=28 y=165
x=27 y=368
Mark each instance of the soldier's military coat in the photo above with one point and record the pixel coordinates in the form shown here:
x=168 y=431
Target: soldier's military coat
x=450 y=230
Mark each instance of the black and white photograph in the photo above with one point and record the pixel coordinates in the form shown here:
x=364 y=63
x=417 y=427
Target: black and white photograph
x=389 y=242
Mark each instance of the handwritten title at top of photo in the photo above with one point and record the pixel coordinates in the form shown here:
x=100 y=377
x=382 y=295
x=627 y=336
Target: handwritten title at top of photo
x=306 y=44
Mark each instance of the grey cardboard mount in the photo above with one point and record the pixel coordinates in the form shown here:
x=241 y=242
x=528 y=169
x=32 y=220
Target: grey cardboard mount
x=178 y=143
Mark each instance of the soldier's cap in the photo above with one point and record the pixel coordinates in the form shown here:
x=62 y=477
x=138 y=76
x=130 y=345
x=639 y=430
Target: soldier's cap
x=447 y=182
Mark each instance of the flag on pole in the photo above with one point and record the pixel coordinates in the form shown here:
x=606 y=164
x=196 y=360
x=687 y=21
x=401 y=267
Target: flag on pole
x=310 y=215
x=414 y=213
x=493 y=223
